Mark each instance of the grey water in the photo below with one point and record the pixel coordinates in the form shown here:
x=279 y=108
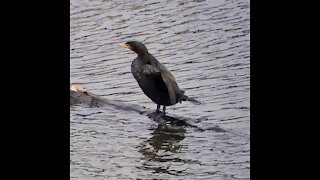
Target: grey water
x=206 y=46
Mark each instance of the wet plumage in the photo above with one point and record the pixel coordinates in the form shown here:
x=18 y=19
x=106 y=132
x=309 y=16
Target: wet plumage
x=155 y=80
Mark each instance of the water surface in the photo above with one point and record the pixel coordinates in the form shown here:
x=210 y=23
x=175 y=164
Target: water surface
x=206 y=45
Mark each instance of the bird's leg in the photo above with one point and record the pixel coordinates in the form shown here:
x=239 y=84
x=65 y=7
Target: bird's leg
x=154 y=114
x=164 y=109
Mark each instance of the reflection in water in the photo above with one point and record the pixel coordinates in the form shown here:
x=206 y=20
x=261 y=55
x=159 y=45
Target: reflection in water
x=162 y=147
x=165 y=139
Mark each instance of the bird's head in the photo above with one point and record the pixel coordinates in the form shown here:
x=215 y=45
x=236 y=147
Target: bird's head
x=136 y=46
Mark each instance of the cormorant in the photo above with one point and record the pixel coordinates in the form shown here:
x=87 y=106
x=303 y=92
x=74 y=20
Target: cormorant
x=155 y=80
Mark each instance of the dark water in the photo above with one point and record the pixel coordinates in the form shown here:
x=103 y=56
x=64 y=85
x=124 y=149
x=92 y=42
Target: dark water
x=206 y=45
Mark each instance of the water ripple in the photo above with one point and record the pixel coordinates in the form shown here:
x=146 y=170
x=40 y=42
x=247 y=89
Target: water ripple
x=206 y=45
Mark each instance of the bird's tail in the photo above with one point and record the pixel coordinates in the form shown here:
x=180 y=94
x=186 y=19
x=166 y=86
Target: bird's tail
x=192 y=100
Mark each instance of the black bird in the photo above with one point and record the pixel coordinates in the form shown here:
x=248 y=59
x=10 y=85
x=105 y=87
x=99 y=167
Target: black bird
x=155 y=80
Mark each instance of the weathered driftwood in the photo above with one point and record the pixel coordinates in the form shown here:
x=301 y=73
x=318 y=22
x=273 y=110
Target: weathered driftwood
x=78 y=95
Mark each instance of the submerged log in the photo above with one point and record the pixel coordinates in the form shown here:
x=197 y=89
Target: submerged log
x=79 y=95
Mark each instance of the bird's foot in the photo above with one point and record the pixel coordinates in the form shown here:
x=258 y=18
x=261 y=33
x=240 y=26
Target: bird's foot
x=158 y=116
x=156 y=113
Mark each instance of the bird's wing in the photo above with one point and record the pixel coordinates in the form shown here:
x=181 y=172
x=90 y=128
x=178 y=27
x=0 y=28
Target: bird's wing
x=170 y=86
x=170 y=81
x=167 y=78
x=150 y=70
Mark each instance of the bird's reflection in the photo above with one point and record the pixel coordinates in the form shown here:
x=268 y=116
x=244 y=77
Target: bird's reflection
x=165 y=140
x=164 y=150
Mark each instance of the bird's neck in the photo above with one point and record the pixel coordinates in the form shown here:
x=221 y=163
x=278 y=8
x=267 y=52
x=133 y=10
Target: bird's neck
x=144 y=57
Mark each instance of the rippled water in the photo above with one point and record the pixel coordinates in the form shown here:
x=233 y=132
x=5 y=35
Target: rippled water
x=206 y=45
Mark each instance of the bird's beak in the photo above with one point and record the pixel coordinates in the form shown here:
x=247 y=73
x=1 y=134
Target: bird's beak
x=125 y=46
